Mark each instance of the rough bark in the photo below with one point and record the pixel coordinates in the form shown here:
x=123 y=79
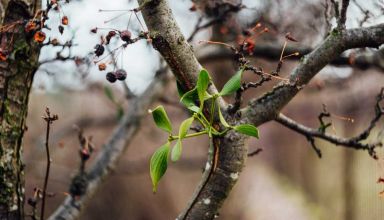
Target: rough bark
x=16 y=75
x=217 y=183
x=266 y=107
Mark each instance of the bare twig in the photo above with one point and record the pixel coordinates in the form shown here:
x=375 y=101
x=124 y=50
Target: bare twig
x=49 y=120
x=354 y=142
x=255 y=152
x=343 y=14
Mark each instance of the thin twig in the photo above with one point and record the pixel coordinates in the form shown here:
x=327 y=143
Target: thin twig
x=49 y=119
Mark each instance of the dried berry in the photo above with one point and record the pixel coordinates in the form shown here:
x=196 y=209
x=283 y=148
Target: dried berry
x=109 y=36
x=102 y=66
x=30 y=26
x=111 y=77
x=121 y=74
x=64 y=20
x=126 y=36
x=39 y=37
x=99 y=50
x=61 y=29
x=54 y=42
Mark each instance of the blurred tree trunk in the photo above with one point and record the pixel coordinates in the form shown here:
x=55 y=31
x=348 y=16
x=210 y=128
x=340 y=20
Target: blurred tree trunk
x=16 y=75
x=348 y=164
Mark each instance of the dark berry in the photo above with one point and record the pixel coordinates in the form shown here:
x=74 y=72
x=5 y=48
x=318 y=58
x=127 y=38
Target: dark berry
x=99 y=50
x=61 y=29
x=111 y=77
x=126 y=36
x=94 y=30
x=121 y=74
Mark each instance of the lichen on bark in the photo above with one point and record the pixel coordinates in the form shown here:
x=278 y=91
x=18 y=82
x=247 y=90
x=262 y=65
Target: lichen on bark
x=16 y=75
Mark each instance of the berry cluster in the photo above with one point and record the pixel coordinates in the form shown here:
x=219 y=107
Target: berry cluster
x=99 y=50
x=119 y=74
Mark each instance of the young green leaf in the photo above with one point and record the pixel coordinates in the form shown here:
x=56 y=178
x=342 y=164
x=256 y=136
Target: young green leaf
x=188 y=99
x=176 y=151
x=161 y=118
x=247 y=129
x=233 y=84
x=184 y=127
x=159 y=164
x=202 y=85
x=222 y=119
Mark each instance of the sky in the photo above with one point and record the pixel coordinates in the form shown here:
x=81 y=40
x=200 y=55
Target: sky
x=140 y=60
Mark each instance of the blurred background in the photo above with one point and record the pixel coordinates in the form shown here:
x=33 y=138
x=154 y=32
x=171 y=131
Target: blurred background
x=285 y=181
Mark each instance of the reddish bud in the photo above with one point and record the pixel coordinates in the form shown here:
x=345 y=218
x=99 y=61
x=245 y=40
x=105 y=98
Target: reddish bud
x=102 y=66
x=64 y=20
x=30 y=26
x=39 y=37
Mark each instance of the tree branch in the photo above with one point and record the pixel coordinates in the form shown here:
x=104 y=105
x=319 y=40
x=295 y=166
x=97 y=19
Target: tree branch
x=272 y=51
x=113 y=149
x=310 y=133
x=230 y=152
x=268 y=106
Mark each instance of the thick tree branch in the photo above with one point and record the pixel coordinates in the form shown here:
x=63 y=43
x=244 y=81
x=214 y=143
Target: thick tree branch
x=112 y=150
x=170 y=42
x=268 y=106
x=230 y=152
x=272 y=51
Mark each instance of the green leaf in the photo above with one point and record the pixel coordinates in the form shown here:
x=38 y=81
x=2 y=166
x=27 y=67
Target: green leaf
x=247 y=129
x=161 y=118
x=184 y=127
x=202 y=85
x=159 y=164
x=233 y=84
x=108 y=92
x=194 y=108
x=222 y=119
x=188 y=99
x=176 y=151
